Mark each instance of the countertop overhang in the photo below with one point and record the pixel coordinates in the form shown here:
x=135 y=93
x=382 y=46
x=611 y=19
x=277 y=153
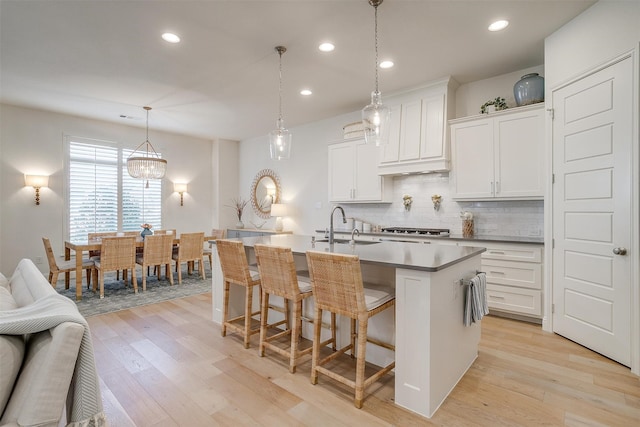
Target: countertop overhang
x=387 y=253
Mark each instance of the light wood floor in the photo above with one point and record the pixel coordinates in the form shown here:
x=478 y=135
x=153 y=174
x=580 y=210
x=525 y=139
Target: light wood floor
x=167 y=365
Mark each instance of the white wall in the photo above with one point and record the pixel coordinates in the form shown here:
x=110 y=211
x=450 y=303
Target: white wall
x=31 y=142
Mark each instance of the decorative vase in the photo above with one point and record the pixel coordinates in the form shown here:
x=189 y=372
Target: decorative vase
x=239 y=224
x=529 y=89
x=145 y=232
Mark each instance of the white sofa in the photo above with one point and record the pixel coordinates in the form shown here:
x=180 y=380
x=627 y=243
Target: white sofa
x=37 y=368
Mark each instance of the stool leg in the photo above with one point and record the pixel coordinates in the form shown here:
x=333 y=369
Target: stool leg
x=315 y=353
x=264 y=315
x=295 y=333
x=333 y=331
x=360 y=361
x=247 y=315
x=353 y=337
x=225 y=308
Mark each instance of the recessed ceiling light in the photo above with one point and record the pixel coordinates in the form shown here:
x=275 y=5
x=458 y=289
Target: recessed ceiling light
x=498 y=25
x=171 y=38
x=326 y=47
x=386 y=64
x=305 y=92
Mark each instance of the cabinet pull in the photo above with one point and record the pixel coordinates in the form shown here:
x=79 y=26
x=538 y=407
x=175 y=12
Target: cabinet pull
x=497 y=272
x=496 y=296
x=496 y=252
x=497 y=187
x=492 y=192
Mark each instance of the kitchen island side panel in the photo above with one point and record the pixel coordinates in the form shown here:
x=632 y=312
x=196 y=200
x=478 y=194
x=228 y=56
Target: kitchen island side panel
x=433 y=348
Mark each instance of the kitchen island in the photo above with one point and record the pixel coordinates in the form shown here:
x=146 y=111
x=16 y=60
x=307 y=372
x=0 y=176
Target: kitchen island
x=433 y=347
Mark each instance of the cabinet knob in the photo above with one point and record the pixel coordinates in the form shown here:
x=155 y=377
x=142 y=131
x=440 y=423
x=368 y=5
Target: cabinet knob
x=620 y=251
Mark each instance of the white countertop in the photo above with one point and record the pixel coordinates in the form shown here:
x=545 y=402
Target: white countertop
x=391 y=254
x=474 y=238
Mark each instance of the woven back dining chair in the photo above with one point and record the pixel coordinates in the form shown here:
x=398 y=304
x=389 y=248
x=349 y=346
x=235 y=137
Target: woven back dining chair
x=337 y=285
x=117 y=253
x=278 y=277
x=235 y=269
x=189 y=251
x=156 y=253
x=55 y=267
x=208 y=251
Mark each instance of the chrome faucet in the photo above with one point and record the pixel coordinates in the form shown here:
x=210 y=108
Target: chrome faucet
x=354 y=232
x=344 y=220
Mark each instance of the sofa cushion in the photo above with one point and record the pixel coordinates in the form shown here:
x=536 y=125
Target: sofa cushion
x=45 y=377
x=28 y=284
x=4 y=282
x=7 y=302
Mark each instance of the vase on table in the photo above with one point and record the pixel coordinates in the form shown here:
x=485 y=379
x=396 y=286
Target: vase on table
x=145 y=232
x=529 y=89
x=239 y=224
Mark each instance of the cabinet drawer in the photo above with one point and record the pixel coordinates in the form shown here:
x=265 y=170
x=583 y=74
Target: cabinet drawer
x=520 y=274
x=516 y=300
x=514 y=253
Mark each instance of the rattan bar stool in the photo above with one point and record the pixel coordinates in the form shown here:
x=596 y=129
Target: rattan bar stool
x=235 y=269
x=337 y=285
x=278 y=277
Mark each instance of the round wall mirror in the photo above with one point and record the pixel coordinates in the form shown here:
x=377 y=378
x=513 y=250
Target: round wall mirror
x=265 y=191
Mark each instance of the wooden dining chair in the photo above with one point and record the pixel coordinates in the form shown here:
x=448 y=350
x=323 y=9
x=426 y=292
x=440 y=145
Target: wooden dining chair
x=156 y=253
x=189 y=251
x=337 y=285
x=278 y=277
x=235 y=269
x=117 y=253
x=56 y=268
x=171 y=231
x=208 y=251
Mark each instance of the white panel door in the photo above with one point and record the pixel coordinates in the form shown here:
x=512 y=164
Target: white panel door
x=592 y=136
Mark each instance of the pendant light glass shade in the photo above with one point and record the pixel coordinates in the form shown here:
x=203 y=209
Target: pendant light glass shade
x=280 y=142
x=376 y=116
x=280 y=138
x=146 y=163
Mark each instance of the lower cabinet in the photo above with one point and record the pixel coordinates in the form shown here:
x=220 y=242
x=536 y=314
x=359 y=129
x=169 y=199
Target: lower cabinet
x=514 y=278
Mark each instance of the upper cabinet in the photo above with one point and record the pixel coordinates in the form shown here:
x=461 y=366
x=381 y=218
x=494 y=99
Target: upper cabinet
x=418 y=139
x=353 y=174
x=500 y=156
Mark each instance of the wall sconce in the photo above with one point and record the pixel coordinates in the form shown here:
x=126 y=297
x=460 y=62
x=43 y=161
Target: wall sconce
x=36 y=181
x=278 y=210
x=180 y=188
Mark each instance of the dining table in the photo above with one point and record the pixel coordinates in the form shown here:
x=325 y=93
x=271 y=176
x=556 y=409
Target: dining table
x=80 y=247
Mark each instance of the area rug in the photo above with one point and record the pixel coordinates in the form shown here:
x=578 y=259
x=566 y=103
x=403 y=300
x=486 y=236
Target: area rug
x=118 y=296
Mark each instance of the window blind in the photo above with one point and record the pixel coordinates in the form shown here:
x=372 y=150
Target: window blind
x=101 y=194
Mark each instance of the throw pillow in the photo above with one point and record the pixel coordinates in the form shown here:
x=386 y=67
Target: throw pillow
x=11 y=353
x=4 y=282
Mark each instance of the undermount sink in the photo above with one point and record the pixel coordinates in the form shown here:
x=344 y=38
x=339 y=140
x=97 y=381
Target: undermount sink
x=346 y=241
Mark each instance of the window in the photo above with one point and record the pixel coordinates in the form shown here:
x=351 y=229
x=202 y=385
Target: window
x=101 y=194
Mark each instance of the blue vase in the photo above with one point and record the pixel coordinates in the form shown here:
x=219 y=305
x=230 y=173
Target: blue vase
x=145 y=232
x=529 y=89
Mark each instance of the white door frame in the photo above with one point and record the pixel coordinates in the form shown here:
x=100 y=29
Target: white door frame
x=547 y=320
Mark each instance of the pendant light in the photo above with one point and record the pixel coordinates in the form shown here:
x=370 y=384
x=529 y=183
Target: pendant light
x=146 y=164
x=376 y=116
x=280 y=138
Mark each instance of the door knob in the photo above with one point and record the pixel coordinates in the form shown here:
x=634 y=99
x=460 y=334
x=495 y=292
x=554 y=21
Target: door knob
x=620 y=251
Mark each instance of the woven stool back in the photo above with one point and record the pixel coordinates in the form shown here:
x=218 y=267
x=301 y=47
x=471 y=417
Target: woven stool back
x=277 y=270
x=233 y=262
x=337 y=283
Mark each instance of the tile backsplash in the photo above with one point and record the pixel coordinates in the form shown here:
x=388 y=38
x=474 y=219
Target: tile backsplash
x=493 y=218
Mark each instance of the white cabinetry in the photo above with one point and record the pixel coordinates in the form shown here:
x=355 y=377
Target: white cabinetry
x=514 y=278
x=353 y=174
x=500 y=156
x=418 y=139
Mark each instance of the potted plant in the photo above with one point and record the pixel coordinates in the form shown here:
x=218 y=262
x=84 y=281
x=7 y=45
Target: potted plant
x=498 y=105
x=238 y=205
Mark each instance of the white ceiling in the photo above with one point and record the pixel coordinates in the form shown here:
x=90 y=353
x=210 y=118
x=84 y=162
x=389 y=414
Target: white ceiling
x=102 y=59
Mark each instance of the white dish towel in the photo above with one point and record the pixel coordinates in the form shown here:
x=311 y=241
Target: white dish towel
x=475 y=304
